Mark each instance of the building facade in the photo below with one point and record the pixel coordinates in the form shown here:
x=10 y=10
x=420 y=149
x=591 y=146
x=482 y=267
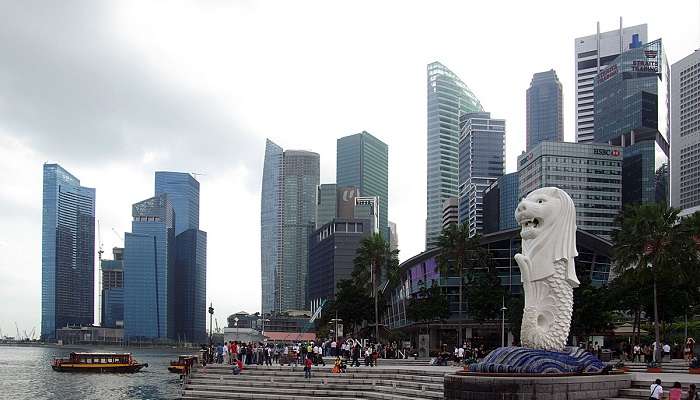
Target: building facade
x=332 y=251
x=592 y=54
x=113 y=290
x=632 y=111
x=271 y=223
x=591 y=173
x=482 y=153
x=67 y=252
x=326 y=204
x=191 y=286
x=500 y=201
x=448 y=99
x=394 y=236
x=149 y=263
x=492 y=207
x=450 y=212
x=183 y=193
x=363 y=162
x=544 y=116
x=685 y=132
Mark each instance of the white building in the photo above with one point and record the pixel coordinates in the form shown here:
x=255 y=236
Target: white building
x=593 y=53
x=685 y=132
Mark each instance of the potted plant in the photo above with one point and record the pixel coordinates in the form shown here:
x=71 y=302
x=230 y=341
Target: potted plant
x=654 y=367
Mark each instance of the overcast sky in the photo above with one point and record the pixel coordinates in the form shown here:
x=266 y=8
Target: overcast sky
x=113 y=91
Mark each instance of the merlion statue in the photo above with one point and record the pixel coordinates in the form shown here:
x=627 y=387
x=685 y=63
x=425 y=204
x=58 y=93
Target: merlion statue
x=548 y=220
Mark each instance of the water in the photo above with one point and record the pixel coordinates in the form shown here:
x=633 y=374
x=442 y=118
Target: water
x=25 y=373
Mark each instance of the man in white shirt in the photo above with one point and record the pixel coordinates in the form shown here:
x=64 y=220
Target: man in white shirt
x=333 y=345
x=667 y=352
x=636 y=353
x=460 y=355
x=656 y=390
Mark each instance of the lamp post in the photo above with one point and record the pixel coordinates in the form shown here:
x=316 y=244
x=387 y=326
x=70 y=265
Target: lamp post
x=263 y=319
x=503 y=323
x=336 y=320
x=211 y=316
x=235 y=323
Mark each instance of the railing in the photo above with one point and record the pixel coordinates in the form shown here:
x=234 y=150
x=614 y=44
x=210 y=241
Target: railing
x=185 y=379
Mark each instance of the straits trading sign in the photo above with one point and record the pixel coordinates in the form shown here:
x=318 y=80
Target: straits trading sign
x=649 y=63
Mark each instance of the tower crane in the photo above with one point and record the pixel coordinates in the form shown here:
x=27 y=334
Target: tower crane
x=117 y=235
x=100 y=251
x=17 y=327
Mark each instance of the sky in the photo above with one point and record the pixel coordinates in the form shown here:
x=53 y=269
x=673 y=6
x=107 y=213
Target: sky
x=114 y=91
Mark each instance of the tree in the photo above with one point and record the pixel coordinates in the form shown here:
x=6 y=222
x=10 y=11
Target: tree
x=352 y=304
x=459 y=253
x=374 y=256
x=650 y=237
x=429 y=304
x=592 y=310
x=485 y=295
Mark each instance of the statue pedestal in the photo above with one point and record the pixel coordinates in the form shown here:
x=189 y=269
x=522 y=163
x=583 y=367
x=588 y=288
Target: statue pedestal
x=521 y=360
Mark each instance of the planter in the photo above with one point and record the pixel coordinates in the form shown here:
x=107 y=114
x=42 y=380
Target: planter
x=695 y=371
x=625 y=369
x=655 y=370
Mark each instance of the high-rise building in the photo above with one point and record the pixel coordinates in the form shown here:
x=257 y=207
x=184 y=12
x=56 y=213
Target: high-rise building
x=685 y=132
x=113 y=290
x=394 y=236
x=326 y=205
x=632 y=110
x=363 y=162
x=593 y=53
x=183 y=193
x=67 y=252
x=591 y=173
x=450 y=212
x=149 y=278
x=191 y=285
x=288 y=217
x=492 y=208
x=482 y=153
x=448 y=99
x=500 y=201
x=545 y=118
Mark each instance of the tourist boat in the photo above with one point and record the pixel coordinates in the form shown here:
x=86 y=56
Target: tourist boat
x=183 y=364
x=97 y=362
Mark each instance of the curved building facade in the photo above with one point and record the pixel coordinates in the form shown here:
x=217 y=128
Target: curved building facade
x=448 y=99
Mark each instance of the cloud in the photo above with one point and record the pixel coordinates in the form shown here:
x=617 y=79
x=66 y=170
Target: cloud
x=72 y=91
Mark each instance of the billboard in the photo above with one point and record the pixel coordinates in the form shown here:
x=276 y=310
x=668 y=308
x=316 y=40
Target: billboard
x=346 y=201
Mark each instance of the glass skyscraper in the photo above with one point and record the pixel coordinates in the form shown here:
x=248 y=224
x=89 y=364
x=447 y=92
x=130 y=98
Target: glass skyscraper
x=67 y=252
x=113 y=290
x=288 y=217
x=448 y=99
x=545 y=118
x=482 y=153
x=632 y=110
x=183 y=192
x=363 y=162
x=149 y=276
x=327 y=201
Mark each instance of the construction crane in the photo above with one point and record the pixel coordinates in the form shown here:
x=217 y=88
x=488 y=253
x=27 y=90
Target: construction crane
x=33 y=333
x=17 y=327
x=117 y=235
x=100 y=251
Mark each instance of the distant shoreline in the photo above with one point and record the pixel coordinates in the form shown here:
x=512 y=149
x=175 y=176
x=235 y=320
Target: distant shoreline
x=94 y=345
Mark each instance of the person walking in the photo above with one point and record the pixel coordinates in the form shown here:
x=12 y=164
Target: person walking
x=307 y=368
x=676 y=392
x=656 y=390
x=334 y=353
x=693 y=392
x=667 y=352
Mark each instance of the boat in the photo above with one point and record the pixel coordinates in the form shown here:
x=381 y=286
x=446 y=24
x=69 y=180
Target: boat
x=97 y=362
x=183 y=364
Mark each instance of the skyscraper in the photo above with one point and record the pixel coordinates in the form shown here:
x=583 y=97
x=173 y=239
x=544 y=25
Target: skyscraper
x=450 y=212
x=593 y=53
x=363 y=162
x=632 y=111
x=545 y=118
x=482 y=153
x=183 y=193
x=448 y=99
x=326 y=205
x=149 y=278
x=113 y=290
x=685 y=132
x=67 y=252
x=190 y=269
x=288 y=217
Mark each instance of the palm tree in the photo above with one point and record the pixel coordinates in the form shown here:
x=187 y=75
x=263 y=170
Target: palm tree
x=459 y=253
x=650 y=237
x=373 y=256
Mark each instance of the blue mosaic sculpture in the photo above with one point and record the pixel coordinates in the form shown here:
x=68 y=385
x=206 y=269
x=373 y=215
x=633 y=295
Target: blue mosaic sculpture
x=520 y=360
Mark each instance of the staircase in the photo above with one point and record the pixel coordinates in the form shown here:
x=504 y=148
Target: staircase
x=394 y=362
x=640 y=390
x=215 y=381
x=673 y=366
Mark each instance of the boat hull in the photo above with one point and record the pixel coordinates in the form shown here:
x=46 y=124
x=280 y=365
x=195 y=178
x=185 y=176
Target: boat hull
x=99 y=368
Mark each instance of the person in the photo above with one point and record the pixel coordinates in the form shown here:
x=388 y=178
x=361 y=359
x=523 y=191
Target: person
x=356 y=356
x=667 y=352
x=676 y=392
x=693 y=393
x=333 y=347
x=460 y=355
x=237 y=367
x=636 y=353
x=656 y=390
x=307 y=368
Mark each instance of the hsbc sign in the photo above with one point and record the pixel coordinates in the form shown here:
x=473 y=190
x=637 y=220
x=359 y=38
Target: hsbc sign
x=607 y=152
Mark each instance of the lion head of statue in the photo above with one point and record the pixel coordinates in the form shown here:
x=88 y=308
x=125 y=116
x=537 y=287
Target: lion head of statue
x=547 y=217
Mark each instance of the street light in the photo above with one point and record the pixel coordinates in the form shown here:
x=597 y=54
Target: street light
x=503 y=323
x=235 y=323
x=263 y=319
x=336 y=320
x=211 y=316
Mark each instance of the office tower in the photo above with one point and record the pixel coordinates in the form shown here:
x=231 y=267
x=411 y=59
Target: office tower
x=326 y=205
x=593 y=53
x=183 y=193
x=632 y=111
x=345 y=202
x=685 y=132
x=363 y=162
x=67 y=252
x=149 y=262
x=500 y=201
x=448 y=99
x=591 y=173
x=332 y=251
x=545 y=118
x=492 y=208
x=191 y=285
x=450 y=212
x=113 y=290
x=394 y=236
x=288 y=217
x=482 y=153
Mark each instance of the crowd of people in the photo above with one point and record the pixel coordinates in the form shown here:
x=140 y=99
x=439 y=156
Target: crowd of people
x=644 y=352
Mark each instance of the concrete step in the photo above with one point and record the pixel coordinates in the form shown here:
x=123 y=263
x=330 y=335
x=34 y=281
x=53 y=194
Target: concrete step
x=241 y=380
x=198 y=395
x=317 y=389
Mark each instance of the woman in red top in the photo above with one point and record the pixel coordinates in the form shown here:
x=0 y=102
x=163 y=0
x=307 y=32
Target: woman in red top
x=675 y=393
x=307 y=368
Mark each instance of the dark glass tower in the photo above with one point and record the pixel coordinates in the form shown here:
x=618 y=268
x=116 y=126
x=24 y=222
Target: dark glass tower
x=183 y=192
x=67 y=252
x=545 y=118
x=363 y=162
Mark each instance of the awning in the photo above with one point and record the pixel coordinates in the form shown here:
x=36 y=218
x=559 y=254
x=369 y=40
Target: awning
x=627 y=330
